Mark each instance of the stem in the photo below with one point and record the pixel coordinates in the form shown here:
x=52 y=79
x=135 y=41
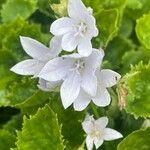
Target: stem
x=95 y=112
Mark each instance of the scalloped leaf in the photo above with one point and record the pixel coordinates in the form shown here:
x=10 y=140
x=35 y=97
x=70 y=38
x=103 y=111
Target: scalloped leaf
x=134 y=91
x=143 y=30
x=40 y=131
x=138 y=140
x=13 y=8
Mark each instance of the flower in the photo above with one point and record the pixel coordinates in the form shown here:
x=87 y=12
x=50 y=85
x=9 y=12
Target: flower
x=106 y=78
x=76 y=71
x=40 y=56
x=77 y=30
x=97 y=132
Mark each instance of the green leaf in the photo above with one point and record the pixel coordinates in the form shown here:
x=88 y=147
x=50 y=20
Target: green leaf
x=143 y=30
x=107 y=23
x=138 y=140
x=13 y=8
x=134 y=91
x=40 y=131
x=33 y=103
x=6 y=140
x=134 y=4
x=71 y=121
x=115 y=51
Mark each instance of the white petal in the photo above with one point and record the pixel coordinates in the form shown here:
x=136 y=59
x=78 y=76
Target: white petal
x=101 y=123
x=74 y=55
x=94 y=60
x=98 y=142
x=35 y=49
x=69 y=42
x=89 y=83
x=76 y=9
x=85 y=47
x=47 y=86
x=28 y=67
x=89 y=143
x=88 y=124
x=109 y=77
x=70 y=88
x=61 y=26
x=82 y=101
x=55 y=45
x=56 y=69
x=110 y=134
x=102 y=97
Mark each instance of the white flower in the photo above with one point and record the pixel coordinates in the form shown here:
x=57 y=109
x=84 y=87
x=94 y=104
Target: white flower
x=77 y=30
x=106 y=78
x=97 y=132
x=76 y=71
x=40 y=56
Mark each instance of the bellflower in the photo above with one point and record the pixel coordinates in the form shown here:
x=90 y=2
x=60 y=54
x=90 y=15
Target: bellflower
x=40 y=56
x=106 y=78
x=76 y=71
x=97 y=132
x=77 y=30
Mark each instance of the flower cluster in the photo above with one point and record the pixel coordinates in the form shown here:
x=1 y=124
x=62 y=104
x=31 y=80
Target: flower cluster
x=78 y=75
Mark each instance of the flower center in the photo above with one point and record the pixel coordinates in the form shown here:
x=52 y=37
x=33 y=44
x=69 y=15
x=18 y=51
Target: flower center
x=81 y=29
x=95 y=133
x=79 y=64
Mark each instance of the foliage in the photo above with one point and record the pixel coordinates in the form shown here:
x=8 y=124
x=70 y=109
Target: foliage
x=39 y=118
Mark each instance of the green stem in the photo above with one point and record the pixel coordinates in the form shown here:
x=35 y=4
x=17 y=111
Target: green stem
x=95 y=112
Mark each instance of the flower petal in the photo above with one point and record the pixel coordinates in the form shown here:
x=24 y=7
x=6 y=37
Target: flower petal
x=28 y=67
x=55 y=45
x=76 y=9
x=98 y=142
x=89 y=143
x=56 y=69
x=102 y=97
x=82 y=101
x=89 y=83
x=87 y=124
x=110 y=134
x=70 y=88
x=47 y=86
x=101 y=123
x=109 y=77
x=94 y=60
x=61 y=26
x=35 y=49
x=69 y=42
x=85 y=47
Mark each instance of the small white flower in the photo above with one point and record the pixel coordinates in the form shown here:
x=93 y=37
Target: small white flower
x=76 y=71
x=97 y=132
x=106 y=78
x=40 y=56
x=77 y=30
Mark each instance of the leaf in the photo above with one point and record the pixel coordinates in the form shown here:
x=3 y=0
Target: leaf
x=134 y=4
x=6 y=140
x=143 y=30
x=33 y=103
x=134 y=90
x=13 y=8
x=115 y=51
x=40 y=131
x=107 y=23
x=71 y=121
x=61 y=8
x=137 y=140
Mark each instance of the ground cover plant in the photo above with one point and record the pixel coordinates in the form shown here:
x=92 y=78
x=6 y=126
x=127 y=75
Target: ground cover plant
x=74 y=74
